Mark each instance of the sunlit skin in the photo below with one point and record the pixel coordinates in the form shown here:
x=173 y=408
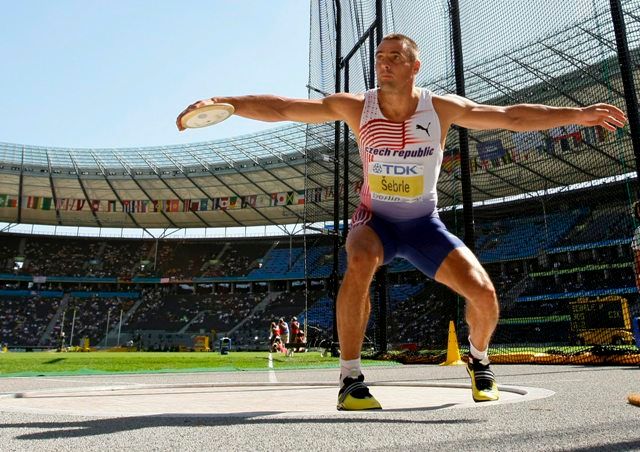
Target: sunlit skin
x=396 y=70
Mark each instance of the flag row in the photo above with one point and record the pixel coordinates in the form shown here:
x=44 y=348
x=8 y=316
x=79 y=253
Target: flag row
x=289 y=198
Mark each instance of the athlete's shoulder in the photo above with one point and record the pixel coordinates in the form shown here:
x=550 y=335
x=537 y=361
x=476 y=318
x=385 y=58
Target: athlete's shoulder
x=346 y=98
x=348 y=105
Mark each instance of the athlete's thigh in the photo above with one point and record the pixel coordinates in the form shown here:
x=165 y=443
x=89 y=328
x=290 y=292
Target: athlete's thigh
x=462 y=272
x=426 y=243
x=363 y=241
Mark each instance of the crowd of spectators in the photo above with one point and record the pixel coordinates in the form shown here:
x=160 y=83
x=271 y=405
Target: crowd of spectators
x=222 y=312
x=50 y=257
x=163 y=309
x=91 y=316
x=24 y=320
x=123 y=257
x=423 y=322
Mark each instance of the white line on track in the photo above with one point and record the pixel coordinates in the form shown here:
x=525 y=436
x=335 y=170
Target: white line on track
x=272 y=373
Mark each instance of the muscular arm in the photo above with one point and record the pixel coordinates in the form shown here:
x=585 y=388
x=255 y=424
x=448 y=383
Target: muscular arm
x=270 y=108
x=525 y=117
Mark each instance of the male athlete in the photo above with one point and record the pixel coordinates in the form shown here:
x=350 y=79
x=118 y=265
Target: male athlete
x=401 y=132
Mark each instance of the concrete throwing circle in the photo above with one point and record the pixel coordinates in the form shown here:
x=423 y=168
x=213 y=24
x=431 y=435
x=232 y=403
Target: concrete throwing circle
x=222 y=400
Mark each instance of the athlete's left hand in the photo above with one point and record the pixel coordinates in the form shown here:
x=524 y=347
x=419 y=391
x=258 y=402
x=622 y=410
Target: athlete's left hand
x=604 y=115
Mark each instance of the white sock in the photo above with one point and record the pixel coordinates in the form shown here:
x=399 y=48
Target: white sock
x=349 y=368
x=477 y=354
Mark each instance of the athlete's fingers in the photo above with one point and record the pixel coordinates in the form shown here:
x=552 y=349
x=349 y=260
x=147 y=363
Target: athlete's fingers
x=616 y=111
x=615 y=121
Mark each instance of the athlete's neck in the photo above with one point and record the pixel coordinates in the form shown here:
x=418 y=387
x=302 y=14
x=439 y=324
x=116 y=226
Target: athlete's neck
x=398 y=104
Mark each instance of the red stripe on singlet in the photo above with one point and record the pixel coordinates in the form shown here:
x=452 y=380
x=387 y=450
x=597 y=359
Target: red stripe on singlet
x=362 y=215
x=384 y=133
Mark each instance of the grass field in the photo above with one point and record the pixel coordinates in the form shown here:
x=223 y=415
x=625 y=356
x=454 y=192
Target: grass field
x=52 y=363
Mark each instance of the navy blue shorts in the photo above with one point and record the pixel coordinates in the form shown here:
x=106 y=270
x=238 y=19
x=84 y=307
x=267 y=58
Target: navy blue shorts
x=425 y=241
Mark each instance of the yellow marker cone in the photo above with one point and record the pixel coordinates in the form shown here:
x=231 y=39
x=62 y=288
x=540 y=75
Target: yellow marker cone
x=453 y=352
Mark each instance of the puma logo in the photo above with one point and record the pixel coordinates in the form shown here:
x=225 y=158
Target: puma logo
x=426 y=129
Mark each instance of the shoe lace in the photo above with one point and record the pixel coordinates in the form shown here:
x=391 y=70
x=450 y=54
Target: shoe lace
x=483 y=375
x=361 y=391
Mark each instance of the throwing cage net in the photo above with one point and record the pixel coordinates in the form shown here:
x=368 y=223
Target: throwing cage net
x=549 y=213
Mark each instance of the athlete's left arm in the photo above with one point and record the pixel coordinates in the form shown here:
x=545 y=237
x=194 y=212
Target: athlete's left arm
x=525 y=117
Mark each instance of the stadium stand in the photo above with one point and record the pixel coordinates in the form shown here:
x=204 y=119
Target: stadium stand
x=24 y=320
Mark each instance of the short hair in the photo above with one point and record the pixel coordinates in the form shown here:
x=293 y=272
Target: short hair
x=409 y=43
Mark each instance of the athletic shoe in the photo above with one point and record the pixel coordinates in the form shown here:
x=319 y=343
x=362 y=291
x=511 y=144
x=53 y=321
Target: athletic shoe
x=483 y=382
x=355 y=395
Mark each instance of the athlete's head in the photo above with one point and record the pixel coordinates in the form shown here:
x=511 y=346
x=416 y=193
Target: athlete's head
x=397 y=60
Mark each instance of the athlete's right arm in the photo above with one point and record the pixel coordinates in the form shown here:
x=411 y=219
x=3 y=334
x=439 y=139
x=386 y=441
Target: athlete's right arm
x=336 y=107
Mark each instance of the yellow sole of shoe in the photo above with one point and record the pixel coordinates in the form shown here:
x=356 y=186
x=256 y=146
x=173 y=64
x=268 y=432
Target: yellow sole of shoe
x=353 y=404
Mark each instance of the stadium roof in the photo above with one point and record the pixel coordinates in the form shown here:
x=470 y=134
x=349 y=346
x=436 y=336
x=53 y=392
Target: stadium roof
x=258 y=179
x=231 y=182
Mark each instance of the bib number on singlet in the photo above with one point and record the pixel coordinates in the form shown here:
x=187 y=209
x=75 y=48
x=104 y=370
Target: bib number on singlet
x=396 y=182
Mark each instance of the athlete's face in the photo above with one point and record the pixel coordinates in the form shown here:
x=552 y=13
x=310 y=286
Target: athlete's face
x=395 y=65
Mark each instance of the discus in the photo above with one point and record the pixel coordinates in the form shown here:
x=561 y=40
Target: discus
x=207 y=115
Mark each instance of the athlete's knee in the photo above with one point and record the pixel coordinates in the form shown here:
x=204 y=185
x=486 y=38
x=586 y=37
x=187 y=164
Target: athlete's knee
x=363 y=255
x=485 y=297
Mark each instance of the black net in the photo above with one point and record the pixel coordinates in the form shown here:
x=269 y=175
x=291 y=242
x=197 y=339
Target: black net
x=553 y=209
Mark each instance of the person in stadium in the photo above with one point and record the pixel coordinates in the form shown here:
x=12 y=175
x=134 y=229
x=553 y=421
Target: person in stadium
x=284 y=330
x=401 y=131
x=301 y=340
x=274 y=332
x=294 y=327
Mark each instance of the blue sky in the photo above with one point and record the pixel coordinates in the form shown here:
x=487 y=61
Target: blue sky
x=116 y=73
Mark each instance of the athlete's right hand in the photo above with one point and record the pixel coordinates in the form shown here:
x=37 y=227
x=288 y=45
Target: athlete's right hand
x=193 y=106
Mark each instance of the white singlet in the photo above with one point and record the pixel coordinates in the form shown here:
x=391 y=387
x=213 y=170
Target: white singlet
x=400 y=160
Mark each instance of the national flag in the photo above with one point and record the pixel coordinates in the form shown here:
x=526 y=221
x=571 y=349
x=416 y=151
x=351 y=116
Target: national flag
x=12 y=202
x=223 y=203
x=290 y=198
x=111 y=207
x=141 y=206
x=3 y=200
x=186 y=205
x=279 y=199
x=204 y=204
x=300 y=197
x=46 y=203
x=32 y=202
x=195 y=205
x=233 y=202
x=157 y=205
x=249 y=201
x=175 y=205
